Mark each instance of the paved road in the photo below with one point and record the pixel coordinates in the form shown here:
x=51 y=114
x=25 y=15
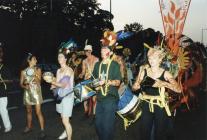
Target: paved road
x=188 y=126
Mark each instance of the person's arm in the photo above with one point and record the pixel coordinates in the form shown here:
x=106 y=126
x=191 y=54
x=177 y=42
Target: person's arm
x=60 y=85
x=64 y=84
x=56 y=82
x=22 y=82
x=171 y=83
x=116 y=81
x=94 y=74
x=139 y=79
x=38 y=75
x=83 y=69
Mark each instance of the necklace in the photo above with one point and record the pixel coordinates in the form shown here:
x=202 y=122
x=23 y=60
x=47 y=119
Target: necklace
x=104 y=91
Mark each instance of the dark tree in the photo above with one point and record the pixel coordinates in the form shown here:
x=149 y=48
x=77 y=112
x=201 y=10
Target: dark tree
x=41 y=25
x=133 y=27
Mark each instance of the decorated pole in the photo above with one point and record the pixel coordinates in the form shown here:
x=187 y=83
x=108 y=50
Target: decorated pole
x=174 y=13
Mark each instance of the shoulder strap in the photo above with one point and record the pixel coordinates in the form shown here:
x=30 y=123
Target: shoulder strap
x=145 y=70
x=162 y=75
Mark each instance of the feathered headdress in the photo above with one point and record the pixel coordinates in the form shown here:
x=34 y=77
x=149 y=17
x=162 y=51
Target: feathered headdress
x=158 y=49
x=109 y=39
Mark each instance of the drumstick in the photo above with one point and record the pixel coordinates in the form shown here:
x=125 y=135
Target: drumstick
x=6 y=81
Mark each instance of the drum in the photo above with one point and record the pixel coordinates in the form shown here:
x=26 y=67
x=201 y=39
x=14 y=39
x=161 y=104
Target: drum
x=48 y=77
x=129 y=106
x=83 y=90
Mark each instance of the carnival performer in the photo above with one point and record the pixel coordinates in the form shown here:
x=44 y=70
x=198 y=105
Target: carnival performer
x=108 y=71
x=30 y=81
x=87 y=69
x=64 y=84
x=153 y=80
x=4 y=80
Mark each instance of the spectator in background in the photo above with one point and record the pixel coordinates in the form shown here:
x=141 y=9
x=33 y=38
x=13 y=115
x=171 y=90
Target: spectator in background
x=5 y=78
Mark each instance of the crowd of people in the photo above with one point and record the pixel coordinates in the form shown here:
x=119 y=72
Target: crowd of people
x=152 y=81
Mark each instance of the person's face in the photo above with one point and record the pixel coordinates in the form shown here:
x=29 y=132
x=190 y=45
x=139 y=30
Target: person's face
x=87 y=52
x=61 y=59
x=74 y=55
x=105 y=52
x=33 y=61
x=154 y=60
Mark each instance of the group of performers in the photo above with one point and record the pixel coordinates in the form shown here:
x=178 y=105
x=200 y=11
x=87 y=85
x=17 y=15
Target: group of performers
x=152 y=81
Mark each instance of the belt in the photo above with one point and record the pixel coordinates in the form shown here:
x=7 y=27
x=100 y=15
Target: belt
x=155 y=100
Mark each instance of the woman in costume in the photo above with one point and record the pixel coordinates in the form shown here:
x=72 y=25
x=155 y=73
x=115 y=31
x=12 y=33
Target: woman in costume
x=153 y=80
x=64 y=84
x=30 y=81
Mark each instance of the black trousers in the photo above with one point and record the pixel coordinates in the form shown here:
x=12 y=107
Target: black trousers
x=105 y=119
x=155 y=125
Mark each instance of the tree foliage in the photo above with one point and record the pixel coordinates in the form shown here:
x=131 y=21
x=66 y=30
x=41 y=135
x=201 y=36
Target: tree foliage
x=133 y=27
x=44 y=24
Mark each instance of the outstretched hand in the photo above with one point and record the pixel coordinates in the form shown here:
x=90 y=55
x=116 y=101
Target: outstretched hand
x=135 y=87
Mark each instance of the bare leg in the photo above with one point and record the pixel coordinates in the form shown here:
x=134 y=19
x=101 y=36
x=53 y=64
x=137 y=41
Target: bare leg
x=85 y=104
x=29 y=116
x=94 y=104
x=40 y=116
x=68 y=127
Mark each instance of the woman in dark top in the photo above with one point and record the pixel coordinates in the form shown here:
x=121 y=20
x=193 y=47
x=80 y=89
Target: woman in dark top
x=152 y=80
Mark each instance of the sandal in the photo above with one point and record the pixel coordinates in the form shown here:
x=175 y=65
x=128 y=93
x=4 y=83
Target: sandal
x=27 y=130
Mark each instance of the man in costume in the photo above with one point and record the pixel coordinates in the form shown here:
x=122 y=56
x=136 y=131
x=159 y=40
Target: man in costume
x=87 y=69
x=108 y=72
